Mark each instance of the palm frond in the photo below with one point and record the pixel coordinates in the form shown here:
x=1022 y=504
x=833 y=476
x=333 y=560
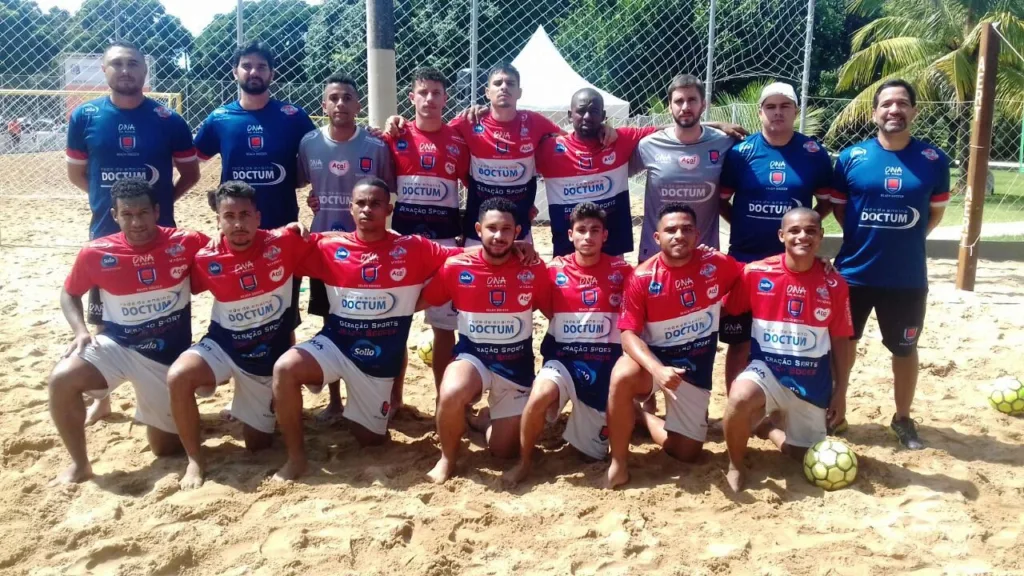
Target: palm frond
x=894 y=53
x=888 y=27
x=959 y=71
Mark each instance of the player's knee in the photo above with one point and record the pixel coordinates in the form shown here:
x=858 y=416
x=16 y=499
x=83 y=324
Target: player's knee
x=256 y=440
x=685 y=451
x=182 y=379
x=285 y=370
x=745 y=396
x=504 y=448
x=366 y=438
x=64 y=378
x=164 y=443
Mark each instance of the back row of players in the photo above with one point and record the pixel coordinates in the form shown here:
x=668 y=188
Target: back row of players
x=890 y=181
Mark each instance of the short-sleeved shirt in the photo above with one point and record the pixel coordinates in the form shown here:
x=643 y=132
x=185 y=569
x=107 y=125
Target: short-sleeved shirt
x=260 y=148
x=116 y=143
x=765 y=182
x=495 y=305
x=428 y=167
x=333 y=168
x=685 y=173
x=795 y=316
x=576 y=171
x=144 y=289
x=676 y=310
x=253 y=315
x=583 y=333
x=501 y=163
x=888 y=197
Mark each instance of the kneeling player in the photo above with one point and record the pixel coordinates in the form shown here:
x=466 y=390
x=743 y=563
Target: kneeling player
x=582 y=343
x=669 y=325
x=142 y=274
x=495 y=295
x=801 y=325
x=249 y=271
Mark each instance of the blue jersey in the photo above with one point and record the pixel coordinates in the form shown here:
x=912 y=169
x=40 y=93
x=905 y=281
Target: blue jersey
x=888 y=197
x=764 y=182
x=259 y=147
x=118 y=143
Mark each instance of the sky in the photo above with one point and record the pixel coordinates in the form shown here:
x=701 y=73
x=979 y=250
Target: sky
x=194 y=14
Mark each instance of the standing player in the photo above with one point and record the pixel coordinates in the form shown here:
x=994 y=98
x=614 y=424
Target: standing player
x=495 y=295
x=669 y=324
x=889 y=193
x=249 y=271
x=764 y=176
x=126 y=135
x=430 y=159
x=581 y=345
x=801 y=324
x=332 y=159
x=143 y=277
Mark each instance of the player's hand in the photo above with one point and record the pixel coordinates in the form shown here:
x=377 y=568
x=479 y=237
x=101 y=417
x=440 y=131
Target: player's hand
x=376 y=132
x=299 y=228
x=836 y=410
x=533 y=212
x=394 y=125
x=608 y=134
x=705 y=248
x=313 y=201
x=526 y=252
x=829 y=268
x=668 y=378
x=734 y=131
x=474 y=114
x=79 y=344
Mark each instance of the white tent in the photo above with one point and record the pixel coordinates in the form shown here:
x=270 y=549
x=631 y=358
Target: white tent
x=549 y=82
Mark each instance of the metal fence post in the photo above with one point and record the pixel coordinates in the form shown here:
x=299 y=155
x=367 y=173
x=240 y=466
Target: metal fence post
x=708 y=77
x=806 y=81
x=474 y=38
x=380 y=60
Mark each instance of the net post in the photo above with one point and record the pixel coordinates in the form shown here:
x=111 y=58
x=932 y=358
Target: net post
x=708 y=76
x=474 y=40
x=380 y=60
x=806 y=80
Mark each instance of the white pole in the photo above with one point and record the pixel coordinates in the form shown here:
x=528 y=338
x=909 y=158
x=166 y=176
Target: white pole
x=473 y=41
x=380 y=60
x=805 y=83
x=239 y=37
x=709 y=77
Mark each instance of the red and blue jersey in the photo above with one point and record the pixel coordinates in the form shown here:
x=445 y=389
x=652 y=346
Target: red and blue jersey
x=115 y=143
x=765 y=182
x=259 y=147
x=501 y=163
x=583 y=333
x=888 y=197
x=252 y=316
x=576 y=171
x=795 y=316
x=676 y=310
x=144 y=290
x=495 y=305
x=428 y=167
x=372 y=289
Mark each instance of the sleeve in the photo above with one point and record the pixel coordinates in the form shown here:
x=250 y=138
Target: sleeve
x=839 y=187
x=460 y=125
x=634 y=135
x=636 y=161
x=77 y=151
x=434 y=255
x=823 y=182
x=310 y=263
x=634 y=304
x=546 y=304
x=302 y=170
x=79 y=281
x=386 y=165
x=940 y=194
x=462 y=169
x=542 y=289
x=197 y=278
x=841 y=325
x=207 y=140
x=182 y=148
x=544 y=125
x=543 y=154
x=738 y=300
x=729 y=180
x=436 y=292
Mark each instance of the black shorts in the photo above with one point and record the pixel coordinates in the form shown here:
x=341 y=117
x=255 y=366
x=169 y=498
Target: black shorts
x=900 y=313
x=318 y=303
x=94 y=308
x=735 y=329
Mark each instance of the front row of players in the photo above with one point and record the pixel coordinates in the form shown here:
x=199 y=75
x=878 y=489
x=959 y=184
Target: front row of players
x=615 y=336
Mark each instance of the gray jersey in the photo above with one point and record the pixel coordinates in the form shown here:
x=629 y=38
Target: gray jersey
x=333 y=168
x=677 y=172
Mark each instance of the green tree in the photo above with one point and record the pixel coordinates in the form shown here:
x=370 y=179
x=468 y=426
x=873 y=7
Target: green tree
x=741 y=108
x=30 y=39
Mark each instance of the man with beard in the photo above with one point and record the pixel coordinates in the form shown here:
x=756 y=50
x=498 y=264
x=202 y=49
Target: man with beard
x=126 y=135
x=889 y=193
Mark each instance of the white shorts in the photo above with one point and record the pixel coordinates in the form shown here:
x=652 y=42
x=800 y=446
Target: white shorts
x=587 y=428
x=687 y=415
x=253 y=394
x=506 y=398
x=149 y=378
x=804 y=422
x=445 y=316
x=369 y=399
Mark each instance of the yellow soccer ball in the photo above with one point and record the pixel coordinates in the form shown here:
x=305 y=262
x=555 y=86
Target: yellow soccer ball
x=1007 y=396
x=425 y=349
x=830 y=464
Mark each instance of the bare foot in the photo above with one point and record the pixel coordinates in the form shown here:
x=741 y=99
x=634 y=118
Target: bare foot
x=73 y=474
x=617 y=475
x=442 y=471
x=330 y=414
x=512 y=478
x=193 y=477
x=291 y=470
x=98 y=410
x=481 y=422
x=735 y=477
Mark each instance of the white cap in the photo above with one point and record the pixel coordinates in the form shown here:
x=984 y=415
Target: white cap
x=778 y=89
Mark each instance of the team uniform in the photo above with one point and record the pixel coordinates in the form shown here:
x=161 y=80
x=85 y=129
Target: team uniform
x=501 y=164
x=582 y=344
x=795 y=316
x=333 y=168
x=372 y=289
x=685 y=173
x=147 y=319
x=143 y=142
x=576 y=171
x=428 y=167
x=764 y=182
x=495 y=323
x=888 y=196
x=252 y=316
x=676 y=312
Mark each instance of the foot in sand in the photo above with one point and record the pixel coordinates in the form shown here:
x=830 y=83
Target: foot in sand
x=512 y=478
x=97 y=411
x=442 y=471
x=617 y=475
x=291 y=470
x=735 y=478
x=193 y=477
x=331 y=414
x=73 y=474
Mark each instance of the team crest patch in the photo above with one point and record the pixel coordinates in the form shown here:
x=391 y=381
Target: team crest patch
x=289 y=110
x=822 y=292
x=452 y=149
x=272 y=253
x=777 y=177
x=615 y=277
x=893 y=184
x=713 y=156
x=708 y=270
x=398 y=253
x=930 y=154
x=365 y=164
x=147 y=276
x=795 y=307
x=248 y=282
x=255 y=142
x=811 y=146
x=427 y=161
x=497 y=297
x=501 y=147
x=385 y=408
x=590 y=297
x=689 y=298
x=370 y=273
x=525 y=277
x=162 y=112
x=910 y=334
x=127 y=142
x=175 y=250
x=603 y=435
x=587 y=163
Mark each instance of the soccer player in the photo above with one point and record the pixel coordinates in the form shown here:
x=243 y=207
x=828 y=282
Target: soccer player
x=249 y=271
x=126 y=135
x=801 y=325
x=142 y=274
x=581 y=345
x=495 y=296
x=764 y=176
x=889 y=193
x=332 y=159
x=430 y=159
x=669 y=323
x=683 y=163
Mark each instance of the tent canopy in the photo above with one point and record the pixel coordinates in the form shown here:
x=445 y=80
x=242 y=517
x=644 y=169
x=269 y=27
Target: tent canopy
x=549 y=82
